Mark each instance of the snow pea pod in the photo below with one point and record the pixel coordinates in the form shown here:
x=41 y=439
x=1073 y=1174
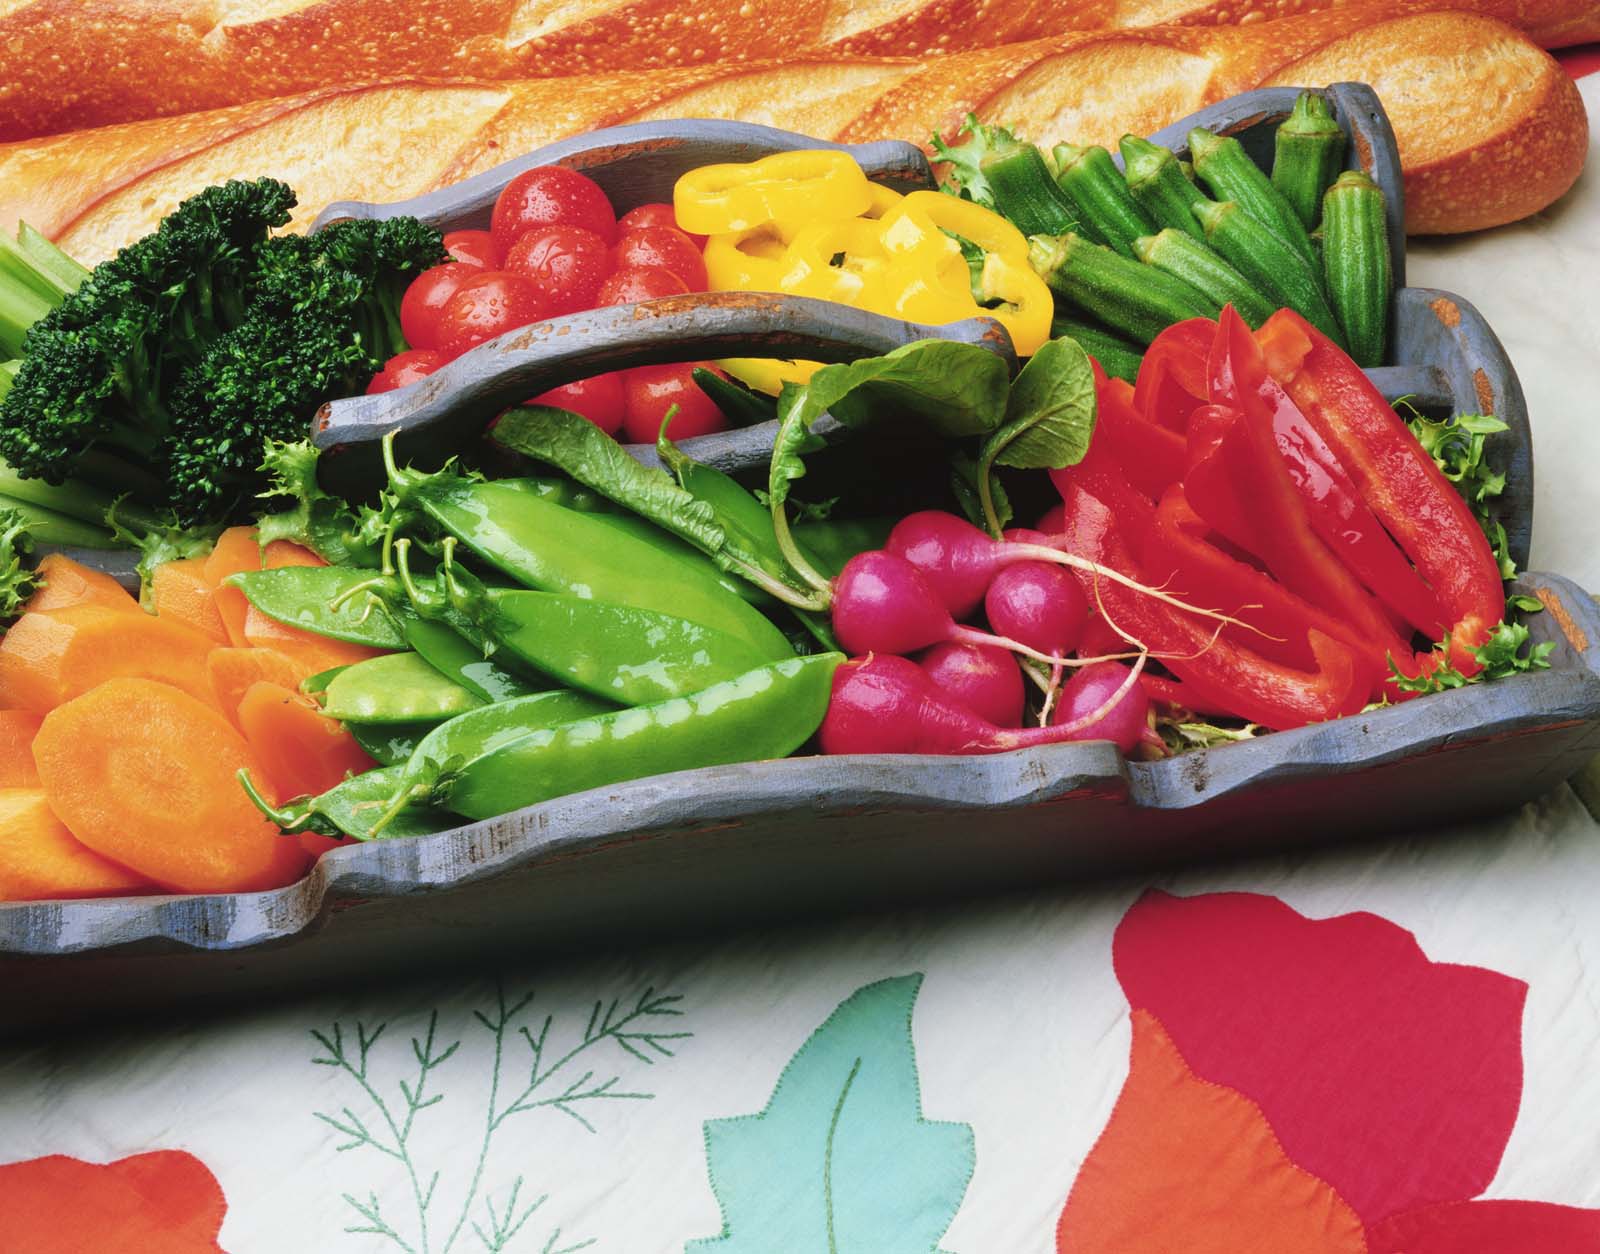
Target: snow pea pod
x=620 y=652
x=389 y=744
x=395 y=688
x=561 y=491
x=351 y=808
x=457 y=658
x=453 y=746
x=679 y=557
x=305 y=597
x=555 y=549
x=765 y=713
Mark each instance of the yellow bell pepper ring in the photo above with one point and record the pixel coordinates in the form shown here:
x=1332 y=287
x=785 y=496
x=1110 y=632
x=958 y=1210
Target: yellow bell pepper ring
x=752 y=260
x=769 y=374
x=795 y=187
x=838 y=261
x=1027 y=304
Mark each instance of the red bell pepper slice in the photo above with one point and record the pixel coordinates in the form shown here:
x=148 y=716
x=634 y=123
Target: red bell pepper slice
x=1172 y=377
x=1238 y=483
x=1337 y=511
x=1151 y=456
x=1179 y=557
x=1100 y=472
x=1398 y=480
x=1222 y=675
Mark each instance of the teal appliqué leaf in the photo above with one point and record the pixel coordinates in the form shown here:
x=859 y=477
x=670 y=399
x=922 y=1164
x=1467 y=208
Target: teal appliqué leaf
x=841 y=1161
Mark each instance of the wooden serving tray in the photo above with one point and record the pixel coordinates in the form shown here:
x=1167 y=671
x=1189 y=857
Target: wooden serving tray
x=768 y=840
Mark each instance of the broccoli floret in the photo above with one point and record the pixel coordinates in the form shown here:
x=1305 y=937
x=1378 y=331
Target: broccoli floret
x=188 y=351
x=98 y=369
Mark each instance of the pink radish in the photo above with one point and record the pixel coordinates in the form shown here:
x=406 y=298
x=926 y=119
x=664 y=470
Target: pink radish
x=886 y=704
x=985 y=680
x=958 y=561
x=1120 y=713
x=881 y=604
x=1039 y=604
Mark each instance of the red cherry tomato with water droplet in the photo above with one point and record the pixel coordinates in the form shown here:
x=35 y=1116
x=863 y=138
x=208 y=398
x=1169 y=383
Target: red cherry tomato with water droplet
x=639 y=283
x=649 y=391
x=486 y=306
x=406 y=368
x=663 y=246
x=598 y=399
x=551 y=195
x=566 y=263
x=474 y=248
x=426 y=297
x=656 y=214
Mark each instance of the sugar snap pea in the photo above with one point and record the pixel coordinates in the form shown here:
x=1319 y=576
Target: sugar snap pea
x=765 y=713
x=554 y=549
x=458 y=658
x=390 y=743
x=395 y=688
x=351 y=808
x=324 y=600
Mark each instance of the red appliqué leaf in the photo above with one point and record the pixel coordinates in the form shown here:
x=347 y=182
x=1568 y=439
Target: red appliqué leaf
x=166 y=1202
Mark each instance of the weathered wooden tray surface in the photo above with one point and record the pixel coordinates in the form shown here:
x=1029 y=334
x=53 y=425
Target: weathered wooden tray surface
x=770 y=840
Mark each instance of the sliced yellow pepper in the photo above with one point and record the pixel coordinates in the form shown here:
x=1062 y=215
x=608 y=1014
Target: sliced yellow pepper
x=751 y=260
x=769 y=374
x=804 y=186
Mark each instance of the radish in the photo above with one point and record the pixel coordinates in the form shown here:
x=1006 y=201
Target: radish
x=1039 y=604
x=887 y=704
x=958 y=561
x=881 y=604
x=1119 y=713
x=985 y=680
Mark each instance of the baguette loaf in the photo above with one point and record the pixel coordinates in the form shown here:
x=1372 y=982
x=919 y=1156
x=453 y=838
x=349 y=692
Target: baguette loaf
x=75 y=64
x=1490 y=128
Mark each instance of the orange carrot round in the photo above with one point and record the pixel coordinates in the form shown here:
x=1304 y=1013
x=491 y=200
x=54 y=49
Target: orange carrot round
x=302 y=752
x=237 y=550
x=232 y=671
x=46 y=659
x=306 y=648
x=148 y=776
x=67 y=583
x=17 y=730
x=40 y=860
x=180 y=593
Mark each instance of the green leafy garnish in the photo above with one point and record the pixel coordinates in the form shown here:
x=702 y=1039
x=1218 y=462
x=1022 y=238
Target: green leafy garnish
x=1049 y=419
x=965 y=478
x=159 y=545
x=1457 y=448
x=1181 y=737
x=17 y=581
x=966 y=160
x=327 y=524
x=1503 y=653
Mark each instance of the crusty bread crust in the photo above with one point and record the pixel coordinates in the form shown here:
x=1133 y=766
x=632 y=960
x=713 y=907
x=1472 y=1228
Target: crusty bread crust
x=1490 y=129
x=75 y=64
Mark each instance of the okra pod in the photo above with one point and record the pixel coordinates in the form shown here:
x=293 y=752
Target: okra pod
x=1093 y=183
x=1135 y=299
x=1199 y=266
x=1226 y=168
x=1309 y=150
x=1116 y=356
x=1158 y=182
x=1260 y=254
x=1025 y=193
x=1355 y=258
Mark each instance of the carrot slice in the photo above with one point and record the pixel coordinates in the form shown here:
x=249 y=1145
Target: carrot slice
x=148 y=776
x=181 y=593
x=67 y=583
x=232 y=671
x=302 y=752
x=305 y=648
x=40 y=860
x=17 y=730
x=46 y=659
x=237 y=550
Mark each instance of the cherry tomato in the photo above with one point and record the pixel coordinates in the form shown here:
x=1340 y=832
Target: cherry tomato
x=406 y=368
x=381 y=382
x=656 y=214
x=598 y=399
x=639 y=283
x=473 y=248
x=488 y=305
x=551 y=195
x=427 y=295
x=649 y=391
x=566 y=263
x=663 y=246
